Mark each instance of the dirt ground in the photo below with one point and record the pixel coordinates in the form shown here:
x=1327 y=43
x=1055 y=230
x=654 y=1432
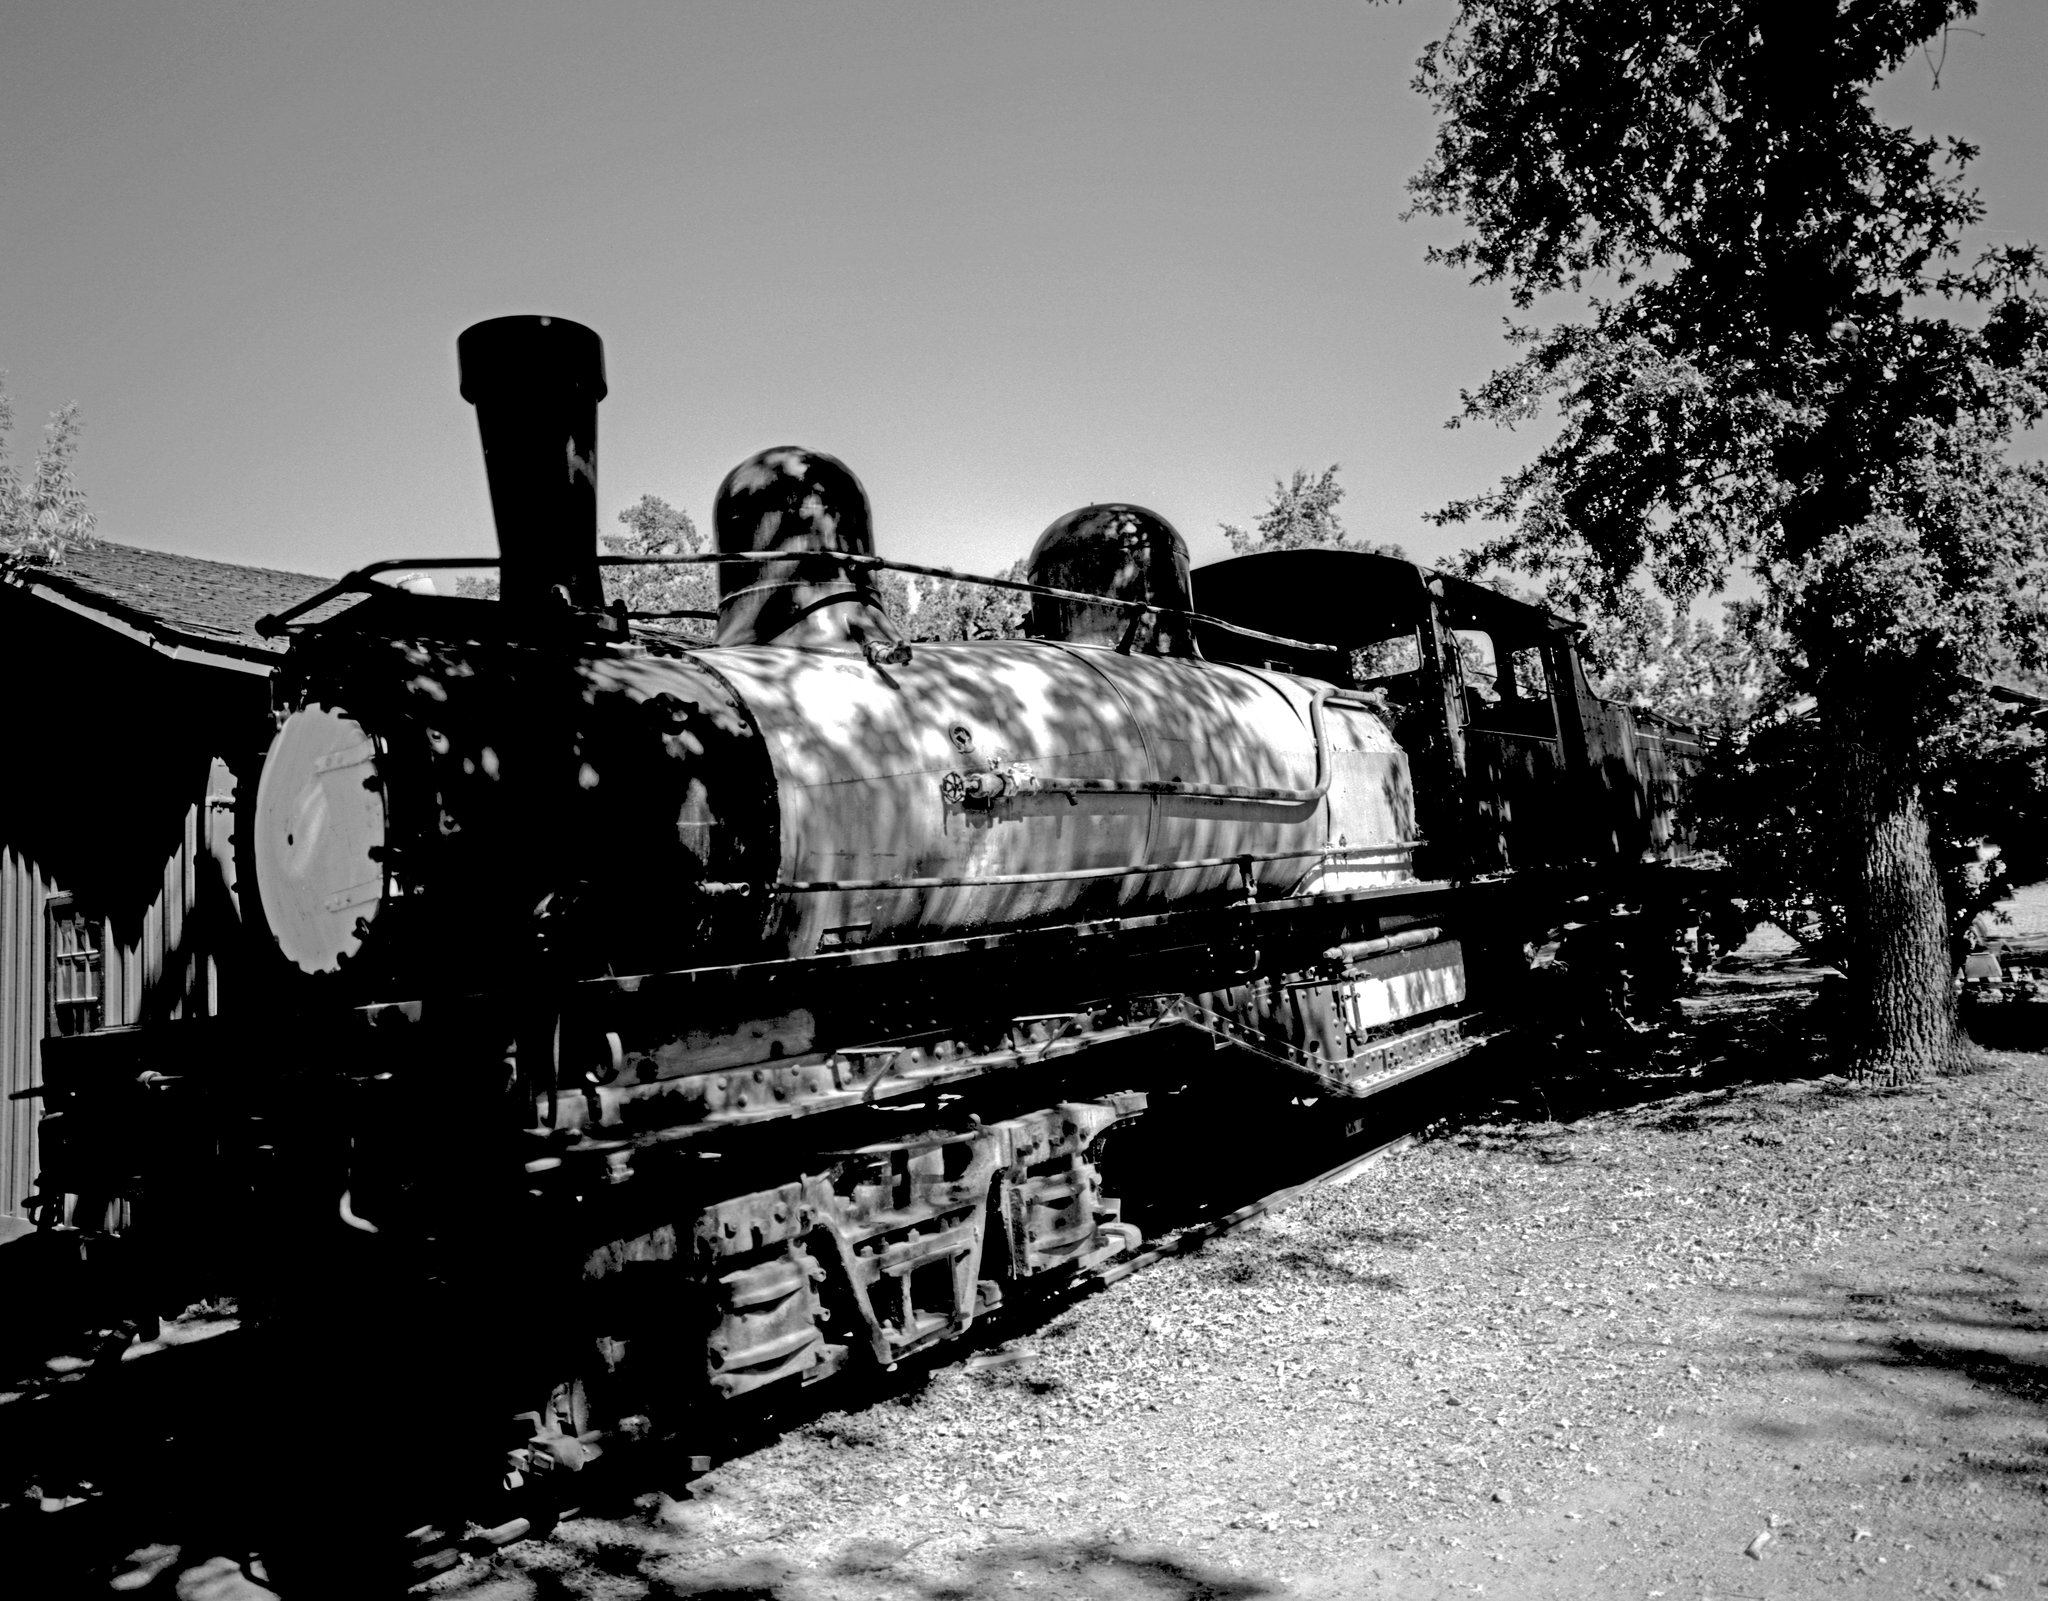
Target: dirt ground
x=1721 y=1327
x=1710 y=1324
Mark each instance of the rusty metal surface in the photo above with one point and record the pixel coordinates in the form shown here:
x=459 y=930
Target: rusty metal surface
x=891 y=1246
x=583 y=787
x=768 y=1328
x=862 y=758
x=679 y=1097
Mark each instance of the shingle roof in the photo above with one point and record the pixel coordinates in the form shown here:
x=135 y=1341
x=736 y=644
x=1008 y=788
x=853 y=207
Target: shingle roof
x=211 y=606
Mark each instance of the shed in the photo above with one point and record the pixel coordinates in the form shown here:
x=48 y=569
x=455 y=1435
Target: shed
x=138 y=705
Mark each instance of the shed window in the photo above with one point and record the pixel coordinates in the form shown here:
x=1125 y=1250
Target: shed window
x=77 y=968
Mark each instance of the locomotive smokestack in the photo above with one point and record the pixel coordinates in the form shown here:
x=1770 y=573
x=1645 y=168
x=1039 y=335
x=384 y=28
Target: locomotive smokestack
x=535 y=383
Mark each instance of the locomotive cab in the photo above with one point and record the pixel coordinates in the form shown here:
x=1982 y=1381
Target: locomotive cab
x=1516 y=762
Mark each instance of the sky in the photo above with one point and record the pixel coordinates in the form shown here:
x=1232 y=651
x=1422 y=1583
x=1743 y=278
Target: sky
x=1004 y=260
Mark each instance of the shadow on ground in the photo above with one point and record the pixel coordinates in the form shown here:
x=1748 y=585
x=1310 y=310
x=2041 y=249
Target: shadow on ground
x=1971 y=1342
x=1037 y=1568
x=1756 y=1020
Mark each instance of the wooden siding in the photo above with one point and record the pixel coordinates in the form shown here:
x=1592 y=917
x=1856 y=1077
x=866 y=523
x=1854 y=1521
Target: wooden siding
x=119 y=819
x=24 y=892
x=164 y=965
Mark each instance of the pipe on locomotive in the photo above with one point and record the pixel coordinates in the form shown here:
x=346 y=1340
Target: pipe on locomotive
x=535 y=383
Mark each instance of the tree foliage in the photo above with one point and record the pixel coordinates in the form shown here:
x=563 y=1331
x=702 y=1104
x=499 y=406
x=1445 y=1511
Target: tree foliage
x=1302 y=515
x=1715 y=676
x=1766 y=804
x=926 y=609
x=655 y=528
x=933 y=609
x=44 y=514
x=1779 y=368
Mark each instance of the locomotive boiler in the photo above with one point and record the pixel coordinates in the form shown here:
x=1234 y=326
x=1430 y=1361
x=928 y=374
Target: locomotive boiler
x=721 y=1015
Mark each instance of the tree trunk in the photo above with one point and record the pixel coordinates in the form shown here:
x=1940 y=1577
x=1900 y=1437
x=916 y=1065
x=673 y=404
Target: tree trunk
x=1901 y=1021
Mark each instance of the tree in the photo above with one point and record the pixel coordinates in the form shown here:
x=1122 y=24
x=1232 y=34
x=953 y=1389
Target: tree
x=1778 y=367
x=1303 y=516
x=45 y=516
x=1765 y=803
x=1762 y=801
x=927 y=609
x=655 y=528
x=1716 y=677
x=933 y=609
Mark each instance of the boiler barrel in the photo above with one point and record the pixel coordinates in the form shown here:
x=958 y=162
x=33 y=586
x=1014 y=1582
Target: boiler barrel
x=1094 y=763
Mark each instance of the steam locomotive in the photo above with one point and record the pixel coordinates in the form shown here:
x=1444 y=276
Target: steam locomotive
x=652 y=1024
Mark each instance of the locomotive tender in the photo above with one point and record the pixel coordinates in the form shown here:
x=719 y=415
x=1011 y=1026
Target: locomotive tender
x=698 y=1019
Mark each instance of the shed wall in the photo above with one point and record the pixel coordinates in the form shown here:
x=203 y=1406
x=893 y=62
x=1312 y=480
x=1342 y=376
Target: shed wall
x=24 y=891
x=163 y=964
x=132 y=816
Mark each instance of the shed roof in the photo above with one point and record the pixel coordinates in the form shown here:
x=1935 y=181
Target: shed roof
x=185 y=606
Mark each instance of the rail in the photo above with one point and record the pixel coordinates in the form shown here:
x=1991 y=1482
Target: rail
x=274 y=624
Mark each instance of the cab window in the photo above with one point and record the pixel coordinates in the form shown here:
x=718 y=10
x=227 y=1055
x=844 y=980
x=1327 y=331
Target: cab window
x=1386 y=658
x=1477 y=664
x=1505 y=689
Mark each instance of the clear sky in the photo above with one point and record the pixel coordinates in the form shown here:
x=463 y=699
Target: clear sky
x=1003 y=259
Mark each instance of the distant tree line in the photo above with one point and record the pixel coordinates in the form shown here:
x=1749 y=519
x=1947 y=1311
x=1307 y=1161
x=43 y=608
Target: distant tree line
x=42 y=512
x=1302 y=515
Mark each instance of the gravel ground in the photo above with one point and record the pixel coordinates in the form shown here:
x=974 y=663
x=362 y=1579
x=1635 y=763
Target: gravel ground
x=1731 y=1328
